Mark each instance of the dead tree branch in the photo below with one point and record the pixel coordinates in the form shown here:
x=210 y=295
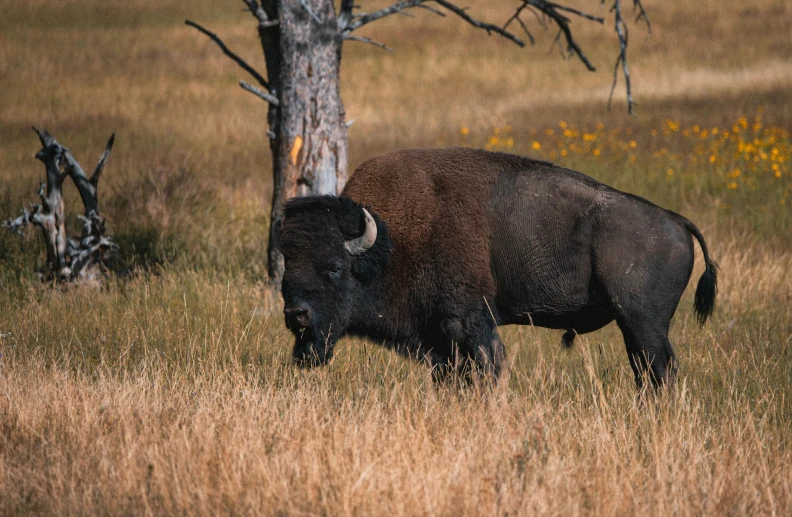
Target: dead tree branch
x=349 y=21
x=490 y=28
x=638 y=5
x=67 y=259
x=431 y=9
x=258 y=92
x=260 y=13
x=516 y=17
x=87 y=187
x=310 y=11
x=228 y=52
x=621 y=31
x=370 y=41
x=345 y=13
x=576 y=12
x=554 y=12
x=360 y=20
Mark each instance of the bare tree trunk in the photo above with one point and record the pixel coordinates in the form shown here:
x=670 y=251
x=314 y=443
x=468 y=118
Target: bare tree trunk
x=310 y=137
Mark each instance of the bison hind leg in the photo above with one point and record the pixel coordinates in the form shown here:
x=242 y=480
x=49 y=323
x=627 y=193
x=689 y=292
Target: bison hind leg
x=650 y=351
x=568 y=339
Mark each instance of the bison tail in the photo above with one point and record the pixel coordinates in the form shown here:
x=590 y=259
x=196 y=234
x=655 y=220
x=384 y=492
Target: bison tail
x=705 y=293
x=707 y=287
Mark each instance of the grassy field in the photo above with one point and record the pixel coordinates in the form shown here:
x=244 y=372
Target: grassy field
x=169 y=390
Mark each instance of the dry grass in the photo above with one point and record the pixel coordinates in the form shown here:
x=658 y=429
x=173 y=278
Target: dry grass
x=176 y=396
x=169 y=391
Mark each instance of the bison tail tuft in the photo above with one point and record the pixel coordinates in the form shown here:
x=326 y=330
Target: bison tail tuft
x=705 y=293
x=707 y=288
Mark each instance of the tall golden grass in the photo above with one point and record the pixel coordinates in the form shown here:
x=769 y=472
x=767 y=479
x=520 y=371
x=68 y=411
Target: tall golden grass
x=170 y=391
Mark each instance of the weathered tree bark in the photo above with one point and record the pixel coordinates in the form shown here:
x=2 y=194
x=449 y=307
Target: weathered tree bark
x=302 y=42
x=67 y=259
x=49 y=215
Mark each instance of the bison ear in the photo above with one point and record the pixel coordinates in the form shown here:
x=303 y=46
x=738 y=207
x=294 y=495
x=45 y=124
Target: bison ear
x=352 y=223
x=351 y=219
x=367 y=266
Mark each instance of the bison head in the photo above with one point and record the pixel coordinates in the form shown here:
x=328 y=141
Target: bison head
x=334 y=250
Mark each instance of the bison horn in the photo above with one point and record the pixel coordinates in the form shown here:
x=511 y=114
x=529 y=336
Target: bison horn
x=365 y=241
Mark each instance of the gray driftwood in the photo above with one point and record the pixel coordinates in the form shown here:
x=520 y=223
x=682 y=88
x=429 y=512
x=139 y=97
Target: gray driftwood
x=68 y=259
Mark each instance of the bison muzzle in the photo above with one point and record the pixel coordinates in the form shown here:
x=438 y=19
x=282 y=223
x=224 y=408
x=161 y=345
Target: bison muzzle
x=428 y=251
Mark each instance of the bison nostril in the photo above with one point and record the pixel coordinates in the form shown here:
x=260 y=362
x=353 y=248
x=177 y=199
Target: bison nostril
x=295 y=311
x=297 y=316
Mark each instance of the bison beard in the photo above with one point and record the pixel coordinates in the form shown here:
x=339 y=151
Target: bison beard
x=428 y=251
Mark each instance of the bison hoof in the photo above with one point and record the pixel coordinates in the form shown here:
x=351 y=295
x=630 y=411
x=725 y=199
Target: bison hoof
x=568 y=338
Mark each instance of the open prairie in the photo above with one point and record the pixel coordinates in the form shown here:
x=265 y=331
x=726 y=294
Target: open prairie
x=170 y=390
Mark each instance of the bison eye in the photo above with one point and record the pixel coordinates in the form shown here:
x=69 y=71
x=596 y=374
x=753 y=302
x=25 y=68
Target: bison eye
x=334 y=270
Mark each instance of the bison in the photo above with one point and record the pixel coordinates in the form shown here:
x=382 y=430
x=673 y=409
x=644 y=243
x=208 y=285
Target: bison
x=428 y=251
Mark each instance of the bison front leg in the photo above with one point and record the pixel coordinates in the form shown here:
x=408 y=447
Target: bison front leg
x=473 y=349
x=490 y=356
